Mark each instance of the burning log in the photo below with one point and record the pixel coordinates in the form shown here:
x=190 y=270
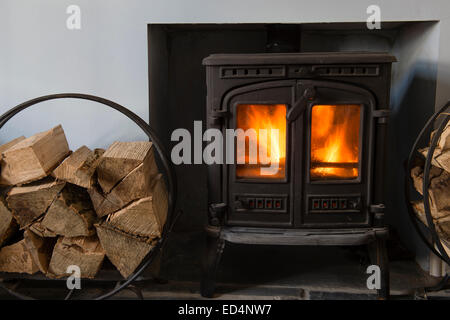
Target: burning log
x=71 y=214
x=31 y=201
x=84 y=252
x=120 y=159
x=34 y=158
x=79 y=167
x=17 y=258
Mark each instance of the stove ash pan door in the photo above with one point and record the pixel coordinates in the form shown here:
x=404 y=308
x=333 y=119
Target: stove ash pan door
x=300 y=151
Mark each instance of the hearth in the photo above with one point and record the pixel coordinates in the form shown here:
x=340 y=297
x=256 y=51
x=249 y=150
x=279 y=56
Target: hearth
x=318 y=178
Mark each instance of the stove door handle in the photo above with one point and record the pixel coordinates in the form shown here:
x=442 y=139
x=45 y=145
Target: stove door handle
x=300 y=105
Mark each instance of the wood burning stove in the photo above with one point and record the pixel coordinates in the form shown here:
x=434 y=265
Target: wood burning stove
x=319 y=179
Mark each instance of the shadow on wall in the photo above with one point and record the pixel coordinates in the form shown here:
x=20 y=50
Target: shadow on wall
x=409 y=115
x=412 y=103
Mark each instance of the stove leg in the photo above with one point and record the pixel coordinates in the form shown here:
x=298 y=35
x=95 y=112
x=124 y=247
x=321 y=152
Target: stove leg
x=214 y=249
x=378 y=256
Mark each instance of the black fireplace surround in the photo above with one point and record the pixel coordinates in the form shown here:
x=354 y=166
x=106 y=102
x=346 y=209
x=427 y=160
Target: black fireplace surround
x=333 y=109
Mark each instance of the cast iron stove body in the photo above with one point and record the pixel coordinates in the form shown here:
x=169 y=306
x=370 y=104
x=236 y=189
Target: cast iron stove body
x=326 y=187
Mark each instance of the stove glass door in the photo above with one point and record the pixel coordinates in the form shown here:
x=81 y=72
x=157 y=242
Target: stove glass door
x=335 y=142
x=261 y=141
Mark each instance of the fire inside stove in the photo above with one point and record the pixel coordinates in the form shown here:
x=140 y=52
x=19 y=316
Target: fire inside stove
x=335 y=142
x=261 y=147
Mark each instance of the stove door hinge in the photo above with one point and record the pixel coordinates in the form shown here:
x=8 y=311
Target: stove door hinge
x=378 y=212
x=217 y=116
x=216 y=213
x=382 y=115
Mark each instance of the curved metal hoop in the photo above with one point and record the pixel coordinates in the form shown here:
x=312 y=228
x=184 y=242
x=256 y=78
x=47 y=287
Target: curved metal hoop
x=440 y=252
x=165 y=160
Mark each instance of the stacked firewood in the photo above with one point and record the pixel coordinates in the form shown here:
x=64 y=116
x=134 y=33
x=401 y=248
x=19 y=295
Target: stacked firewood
x=439 y=188
x=60 y=208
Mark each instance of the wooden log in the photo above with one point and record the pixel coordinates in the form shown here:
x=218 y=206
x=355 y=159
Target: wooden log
x=40 y=249
x=441 y=156
x=439 y=189
x=31 y=201
x=8 y=225
x=79 y=167
x=138 y=219
x=37 y=228
x=160 y=201
x=16 y=258
x=102 y=205
x=9 y=144
x=119 y=160
x=442 y=223
x=34 y=158
x=71 y=214
x=84 y=252
x=125 y=251
x=139 y=183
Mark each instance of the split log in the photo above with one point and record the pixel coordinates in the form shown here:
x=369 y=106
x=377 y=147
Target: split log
x=35 y=157
x=8 y=225
x=145 y=217
x=31 y=201
x=130 y=233
x=120 y=159
x=102 y=204
x=439 y=189
x=9 y=144
x=442 y=223
x=79 y=167
x=40 y=249
x=84 y=252
x=138 y=184
x=441 y=156
x=17 y=258
x=37 y=228
x=138 y=218
x=125 y=251
x=160 y=200
x=71 y=214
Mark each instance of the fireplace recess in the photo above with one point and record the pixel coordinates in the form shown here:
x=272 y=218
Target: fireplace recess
x=319 y=179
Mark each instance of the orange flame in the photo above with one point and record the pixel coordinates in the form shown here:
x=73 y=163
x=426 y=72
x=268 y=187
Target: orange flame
x=268 y=117
x=335 y=141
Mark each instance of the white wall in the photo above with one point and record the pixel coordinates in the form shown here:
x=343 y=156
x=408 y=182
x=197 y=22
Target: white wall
x=108 y=56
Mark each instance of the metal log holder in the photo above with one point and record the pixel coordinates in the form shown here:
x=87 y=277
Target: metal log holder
x=428 y=232
x=170 y=178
